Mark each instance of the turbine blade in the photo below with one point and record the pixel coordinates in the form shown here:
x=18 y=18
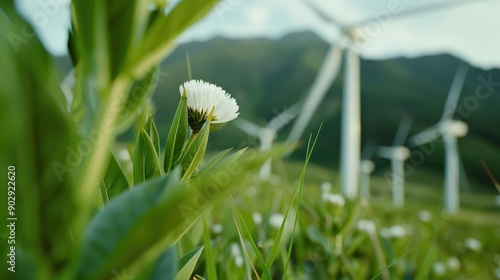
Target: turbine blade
x=321 y=14
x=324 y=80
x=368 y=150
x=418 y=10
x=403 y=130
x=247 y=127
x=455 y=90
x=428 y=135
x=385 y=152
x=281 y=120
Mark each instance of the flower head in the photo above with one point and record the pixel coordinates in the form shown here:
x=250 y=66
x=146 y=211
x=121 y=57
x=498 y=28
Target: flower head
x=202 y=98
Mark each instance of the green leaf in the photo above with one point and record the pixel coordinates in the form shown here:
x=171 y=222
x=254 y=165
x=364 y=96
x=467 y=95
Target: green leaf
x=152 y=131
x=196 y=149
x=159 y=38
x=146 y=163
x=167 y=265
x=131 y=230
x=214 y=161
x=122 y=24
x=210 y=263
x=39 y=140
x=187 y=269
x=137 y=98
x=176 y=136
x=114 y=181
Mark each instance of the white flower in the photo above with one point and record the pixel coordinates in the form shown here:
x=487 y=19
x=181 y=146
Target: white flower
x=275 y=220
x=453 y=263
x=326 y=187
x=236 y=252
x=395 y=231
x=367 y=226
x=217 y=228
x=335 y=199
x=257 y=218
x=425 y=216
x=473 y=244
x=202 y=97
x=439 y=268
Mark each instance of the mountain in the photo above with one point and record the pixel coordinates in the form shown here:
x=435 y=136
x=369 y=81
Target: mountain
x=265 y=76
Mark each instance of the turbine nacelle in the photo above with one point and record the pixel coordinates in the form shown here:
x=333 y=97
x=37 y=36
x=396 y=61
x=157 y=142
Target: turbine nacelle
x=367 y=166
x=400 y=153
x=454 y=128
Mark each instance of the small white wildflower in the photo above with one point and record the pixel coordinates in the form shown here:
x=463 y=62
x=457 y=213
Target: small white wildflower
x=236 y=253
x=473 y=244
x=393 y=232
x=252 y=191
x=439 y=268
x=367 y=226
x=425 y=216
x=453 y=263
x=217 y=228
x=275 y=220
x=239 y=261
x=326 y=187
x=335 y=199
x=202 y=97
x=257 y=218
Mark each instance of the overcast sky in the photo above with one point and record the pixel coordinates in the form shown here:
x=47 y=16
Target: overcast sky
x=470 y=31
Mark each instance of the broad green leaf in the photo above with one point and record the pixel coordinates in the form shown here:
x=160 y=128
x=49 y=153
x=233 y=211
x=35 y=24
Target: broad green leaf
x=167 y=265
x=92 y=38
x=121 y=23
x=187 y=269
x=137 y=99
x=195 y=149
x=146 y=163
x=176 y=136
x=114 y=181
x=152 y=131
x=40 y=142
x=131 y=230
x=159 y=38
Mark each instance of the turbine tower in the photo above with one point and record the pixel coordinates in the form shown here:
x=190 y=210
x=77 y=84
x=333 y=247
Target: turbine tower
x=267 y=134
x=449 y=130
x=398 y=154
x=351 y=125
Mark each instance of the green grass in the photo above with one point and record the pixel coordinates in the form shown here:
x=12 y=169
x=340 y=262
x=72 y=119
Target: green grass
x=328 y=243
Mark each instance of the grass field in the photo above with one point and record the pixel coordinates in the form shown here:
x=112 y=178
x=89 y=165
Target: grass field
x=340 y=239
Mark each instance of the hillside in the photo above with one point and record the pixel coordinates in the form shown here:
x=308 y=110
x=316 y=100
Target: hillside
x=265 y=76
x=268 y=75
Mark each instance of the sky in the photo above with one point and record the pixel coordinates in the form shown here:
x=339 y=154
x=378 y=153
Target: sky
x=467 y=29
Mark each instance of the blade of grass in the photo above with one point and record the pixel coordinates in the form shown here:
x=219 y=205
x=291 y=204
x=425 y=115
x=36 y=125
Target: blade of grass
x=300 y=188
x=209 y=253
x=411 y=250
x=252 y=242
x=245 y=248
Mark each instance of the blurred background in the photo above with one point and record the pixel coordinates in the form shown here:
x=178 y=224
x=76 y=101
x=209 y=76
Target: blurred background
x=267 y=54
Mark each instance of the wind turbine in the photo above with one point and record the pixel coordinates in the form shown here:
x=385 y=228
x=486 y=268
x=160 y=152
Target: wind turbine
x=267 y=134
x=398 y=154
x=351 y=124
x=366 y=167
x=449 y=130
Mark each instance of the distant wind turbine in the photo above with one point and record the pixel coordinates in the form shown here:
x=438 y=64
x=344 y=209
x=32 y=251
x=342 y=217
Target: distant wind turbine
x=398 y=154
x=449 y=130
x=351 y=120
x=267 y=134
